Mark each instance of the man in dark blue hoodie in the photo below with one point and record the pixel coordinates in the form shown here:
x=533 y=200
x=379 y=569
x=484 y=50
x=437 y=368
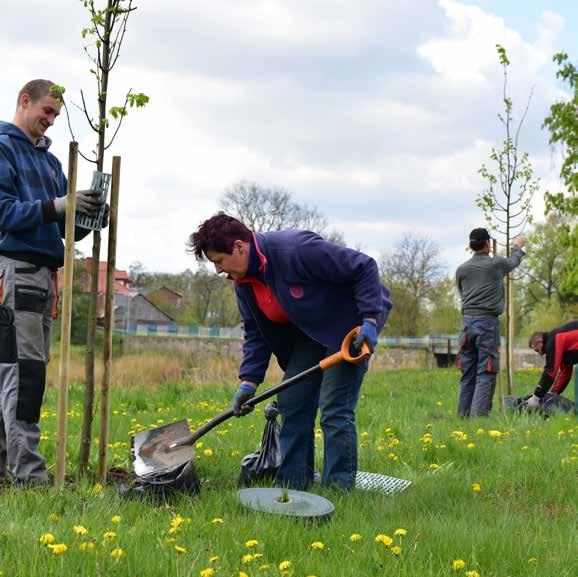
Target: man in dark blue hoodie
x=299 y=295
x=32 y=208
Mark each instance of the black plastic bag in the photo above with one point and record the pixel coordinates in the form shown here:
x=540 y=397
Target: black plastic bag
x=263 y=464
x=550 y=404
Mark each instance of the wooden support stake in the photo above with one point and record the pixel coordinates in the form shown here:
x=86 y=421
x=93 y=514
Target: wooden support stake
x=499 y=375
x=66 y=315
x=108 y=318
x=511 y=332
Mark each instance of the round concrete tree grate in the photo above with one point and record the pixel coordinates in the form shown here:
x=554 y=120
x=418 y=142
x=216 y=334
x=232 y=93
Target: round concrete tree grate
x=286 y=502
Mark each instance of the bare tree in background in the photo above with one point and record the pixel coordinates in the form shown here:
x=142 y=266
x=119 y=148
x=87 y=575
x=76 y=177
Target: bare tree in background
x=265 y=209
x=412 y=270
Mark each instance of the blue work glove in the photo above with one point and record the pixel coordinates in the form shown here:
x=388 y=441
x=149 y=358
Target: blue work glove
x=245 y=392
x=368 y=333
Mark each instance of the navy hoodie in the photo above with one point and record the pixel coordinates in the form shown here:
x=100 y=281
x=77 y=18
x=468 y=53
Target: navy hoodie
x=31 y=178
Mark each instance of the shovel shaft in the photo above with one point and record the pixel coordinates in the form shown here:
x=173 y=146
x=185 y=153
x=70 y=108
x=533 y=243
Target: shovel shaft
x=201 y=431
x=343 y=355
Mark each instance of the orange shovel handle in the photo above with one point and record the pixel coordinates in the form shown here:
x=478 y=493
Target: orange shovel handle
x=345 y=353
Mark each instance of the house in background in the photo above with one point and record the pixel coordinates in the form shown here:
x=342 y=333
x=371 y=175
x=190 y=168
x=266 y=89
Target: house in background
x=130 y=307
x=166 y=297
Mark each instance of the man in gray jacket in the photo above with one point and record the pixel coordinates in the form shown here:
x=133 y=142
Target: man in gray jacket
x=480 y=284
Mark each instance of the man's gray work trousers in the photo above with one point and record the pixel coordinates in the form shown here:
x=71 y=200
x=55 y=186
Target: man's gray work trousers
x=26 y=308
x=479 y=361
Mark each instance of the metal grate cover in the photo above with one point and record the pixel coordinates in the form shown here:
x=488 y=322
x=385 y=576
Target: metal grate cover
x=383 y=483
x=100 y=183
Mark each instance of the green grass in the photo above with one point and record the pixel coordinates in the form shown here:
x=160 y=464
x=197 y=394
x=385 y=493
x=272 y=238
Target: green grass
x=522 y=522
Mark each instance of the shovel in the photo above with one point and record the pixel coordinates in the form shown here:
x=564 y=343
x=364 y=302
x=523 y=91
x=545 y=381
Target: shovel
x=159 y=450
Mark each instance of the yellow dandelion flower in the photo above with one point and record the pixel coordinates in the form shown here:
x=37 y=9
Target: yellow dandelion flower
x=117 y=553
x=264 y=568
x=54 y=517
x=317 y=545
x=284 y=565
x=199 y=445
x=86 y=546
x=47 y=539
x=476 y=487
x=385 y=539
x=251 y=543
x=458 y=564
x=180 y=550
x=208 y=452
x=434 y=466
x=247 y=558
x=471 y=445
x=208 y=572
x=58 y=548
x=116 y=518
x=495 y=434
x=243 y=574
x=532 y=560
x=472 y=574
x=396 y=550
x=400 y=533
x=109 y=536
x=355 y=537
x=80 y=530
x=97 y=489
x=217 y=521
x=213 y=559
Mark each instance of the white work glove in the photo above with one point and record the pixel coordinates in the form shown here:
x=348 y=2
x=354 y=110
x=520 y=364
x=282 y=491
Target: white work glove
x=87 y=202
x=533 y=402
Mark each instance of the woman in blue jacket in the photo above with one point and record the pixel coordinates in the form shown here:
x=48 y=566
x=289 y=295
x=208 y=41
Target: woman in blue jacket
x=299 y=295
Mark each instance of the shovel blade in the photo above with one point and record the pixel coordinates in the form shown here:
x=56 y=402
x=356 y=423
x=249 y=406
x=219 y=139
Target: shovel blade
x=150 y=449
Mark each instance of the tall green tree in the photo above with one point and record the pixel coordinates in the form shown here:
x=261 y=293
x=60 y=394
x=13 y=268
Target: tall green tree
x=507 y=198
x=562 y=124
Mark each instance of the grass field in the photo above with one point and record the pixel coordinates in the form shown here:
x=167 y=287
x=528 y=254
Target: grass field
x=489 y=497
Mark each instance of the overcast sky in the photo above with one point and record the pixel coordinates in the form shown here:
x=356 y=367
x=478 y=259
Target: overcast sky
x=378 y=112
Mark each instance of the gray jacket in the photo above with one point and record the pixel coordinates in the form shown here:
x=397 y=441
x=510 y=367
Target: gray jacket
x=479 y=282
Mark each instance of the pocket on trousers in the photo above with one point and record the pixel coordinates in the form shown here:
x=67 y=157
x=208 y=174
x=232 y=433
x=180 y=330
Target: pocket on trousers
x=493 y=362
x=8 y=350
x=30 y=298
x=31 y=384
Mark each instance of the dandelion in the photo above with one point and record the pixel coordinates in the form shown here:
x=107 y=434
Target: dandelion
x=251 y=543
x=317 y=545
x=180 y=550
x=47 y=539
x=80 y=530
x=217 y=521
x=208 y=452
x=284 y=565
x=213 y=559
x=385 y=539
x=355 y=537
x=495 y=434
x=86 y=546
x=532 y=560
x=263 y=568
x=54 y=517
x=58 y=548
x=116 y=518
x=208 y=572
x=97 y=489
x=458 y=564
x=245 y=559
x=476 y=488
x=396 y=550
x=434 y=466
x=471 y=445
x=243 y=574
x=480 y=431
x=472 y=574
x=400 y=533
x=109 y=536
x=117 y=553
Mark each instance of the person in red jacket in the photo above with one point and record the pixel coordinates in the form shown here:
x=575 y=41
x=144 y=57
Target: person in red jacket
x=560 y=347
